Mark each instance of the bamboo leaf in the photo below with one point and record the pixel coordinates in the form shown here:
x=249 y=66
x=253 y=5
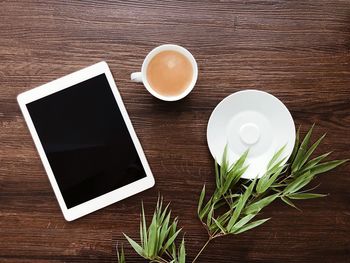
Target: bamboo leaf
x=327 y=166
x=257 y=206
x=261 y=185
x=121 y=256
x=265 y=182
x=232 y=178
x=241 y=202
x=238 y=176
x=141 y=232
x=217 y=175
x=135 y=246
x=240 y=162
x=236 y=213
x=154 y=229
x=144 y=228
x=302 y=150
x=172 y=231
x=152 y=237
x=311 y=150
x=298 y=183
x=163 y=214
x=296 y=147
x=182 y=252
x=210 y=215
x=310 y=164
x=223 y=166
x=289 y=202
x=242 y=222
x=164 y=229
x=232 y=195
x=305 y=195
x=201 y=198
x=205 y=210
x=224 y=218
x=170 y=241
x=274 y=176
x=251 y=225
x=219 y=226
x=275 y=157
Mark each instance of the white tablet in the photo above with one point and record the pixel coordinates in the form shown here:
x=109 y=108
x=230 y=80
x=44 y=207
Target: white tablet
x=86 y=141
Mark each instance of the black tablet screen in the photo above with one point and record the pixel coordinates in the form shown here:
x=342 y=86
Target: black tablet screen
x=86 y=140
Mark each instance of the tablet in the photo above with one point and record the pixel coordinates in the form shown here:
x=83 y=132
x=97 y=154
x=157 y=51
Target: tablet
x=86 y=141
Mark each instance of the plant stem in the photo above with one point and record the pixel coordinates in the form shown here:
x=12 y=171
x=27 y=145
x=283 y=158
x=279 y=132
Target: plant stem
x=200 y=251
x=160 y=260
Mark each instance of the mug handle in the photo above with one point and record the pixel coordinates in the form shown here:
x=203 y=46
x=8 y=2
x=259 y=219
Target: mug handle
x=136 y=77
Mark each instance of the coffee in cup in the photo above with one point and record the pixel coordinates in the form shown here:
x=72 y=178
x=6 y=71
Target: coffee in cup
x=169 y=72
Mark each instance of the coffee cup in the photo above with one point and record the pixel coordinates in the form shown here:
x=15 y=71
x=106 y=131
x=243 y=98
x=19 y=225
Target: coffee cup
x=169 y=72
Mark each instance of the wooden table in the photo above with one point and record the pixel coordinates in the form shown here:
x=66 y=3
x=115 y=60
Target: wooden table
x=297 y=50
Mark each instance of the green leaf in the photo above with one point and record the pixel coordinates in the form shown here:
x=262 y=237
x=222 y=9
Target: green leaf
x=241 y=202
x=296 y=147
x=251 y=225
x=121 y=256
x=135 y=246
x=240 y=162
x=144 y=228
x=231 y=178
x=232 y=195
x=275 y=157
x=163 y=214
x=311 y=150
x=310 y=164
x=236 y=213
x=217 y=175
x=170 y=241
x=141 y=232
x=222 y=219
x=238 y=175
x=164 y=229
x=289 y=202
x=327 y=166
x=224 y=164
x=302 y=150
x=201 y=198
x=182 y=252
x=205 y=210
x=261 y=185
x=305 y=196
x=274 y=176
x=265 y=182
x=298 y=183
x=242 y=222
x=257 y=206
x=172 y=231
x=152 y=232
x=219 y=226
x=210 y=215
x=219 y=204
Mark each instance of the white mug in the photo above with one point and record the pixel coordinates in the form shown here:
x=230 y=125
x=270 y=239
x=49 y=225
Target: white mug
x=142 y=77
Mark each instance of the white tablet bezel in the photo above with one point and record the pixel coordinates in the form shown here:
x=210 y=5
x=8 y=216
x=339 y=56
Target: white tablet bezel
x=110 y=197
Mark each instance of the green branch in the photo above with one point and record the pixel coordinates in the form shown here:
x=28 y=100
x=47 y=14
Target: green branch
x=235 y=204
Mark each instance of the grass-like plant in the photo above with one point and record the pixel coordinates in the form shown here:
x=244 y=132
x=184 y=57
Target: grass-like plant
x=157 y=241
x=235 y=203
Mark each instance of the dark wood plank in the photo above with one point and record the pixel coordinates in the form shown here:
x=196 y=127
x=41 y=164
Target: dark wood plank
x=297 y=50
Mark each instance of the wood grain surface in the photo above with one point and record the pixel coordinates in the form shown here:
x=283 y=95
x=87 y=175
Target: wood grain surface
x=297 y=50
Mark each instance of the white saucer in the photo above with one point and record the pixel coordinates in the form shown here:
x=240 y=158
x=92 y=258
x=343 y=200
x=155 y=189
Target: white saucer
x=251 y=119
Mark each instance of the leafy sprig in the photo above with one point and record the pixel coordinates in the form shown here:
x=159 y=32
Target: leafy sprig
x=236 y=204
x=157 y=241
